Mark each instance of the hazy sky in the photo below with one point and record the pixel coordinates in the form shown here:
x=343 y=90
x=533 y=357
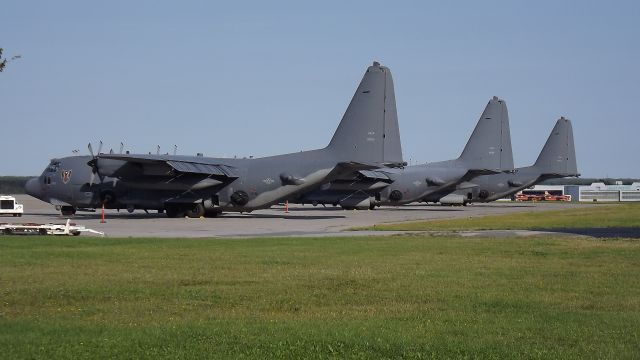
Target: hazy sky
x=263 y=78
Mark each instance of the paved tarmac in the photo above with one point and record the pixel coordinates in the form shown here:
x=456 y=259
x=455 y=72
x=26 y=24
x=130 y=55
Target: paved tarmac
x=300 y=221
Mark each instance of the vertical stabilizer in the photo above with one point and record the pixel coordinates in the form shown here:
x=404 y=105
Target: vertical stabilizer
x=369 y=129
x=489 y=146
x=558 y=156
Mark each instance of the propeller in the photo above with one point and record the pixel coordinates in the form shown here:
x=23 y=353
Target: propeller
x=94 y=163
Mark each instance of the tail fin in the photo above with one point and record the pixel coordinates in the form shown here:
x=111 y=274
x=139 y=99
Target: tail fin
x=558 y=156
x=489 y=146
x=369 y=129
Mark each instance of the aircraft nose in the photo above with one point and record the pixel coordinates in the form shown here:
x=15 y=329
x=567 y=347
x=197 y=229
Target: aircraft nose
x=33 y=188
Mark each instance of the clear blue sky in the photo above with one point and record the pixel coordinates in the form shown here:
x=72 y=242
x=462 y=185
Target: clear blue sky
x=263 y=78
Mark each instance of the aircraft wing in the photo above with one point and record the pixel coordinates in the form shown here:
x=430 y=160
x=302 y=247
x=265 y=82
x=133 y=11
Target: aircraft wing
x=200 y=168
x=130 y=166
x=448 y=187
x=375 y=175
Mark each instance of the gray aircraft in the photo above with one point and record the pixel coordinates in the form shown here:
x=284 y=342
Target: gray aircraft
x=556 y=160
x=367 y=137
x=488 y=151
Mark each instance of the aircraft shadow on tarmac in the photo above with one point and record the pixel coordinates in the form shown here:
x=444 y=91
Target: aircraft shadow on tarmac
x=382 y=209
x=98 y=216
x=613 y=232
x=289 y=216
x=504 y=205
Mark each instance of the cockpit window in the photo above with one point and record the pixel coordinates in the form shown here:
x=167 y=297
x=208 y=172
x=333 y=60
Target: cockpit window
x=53 y=166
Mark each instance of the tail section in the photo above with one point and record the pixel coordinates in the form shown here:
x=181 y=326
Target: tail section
x=489 y=147
x=369 y=129
x=558 y=156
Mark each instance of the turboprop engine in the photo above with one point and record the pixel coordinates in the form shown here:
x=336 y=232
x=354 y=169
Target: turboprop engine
x=358 y=203
x=452 y=199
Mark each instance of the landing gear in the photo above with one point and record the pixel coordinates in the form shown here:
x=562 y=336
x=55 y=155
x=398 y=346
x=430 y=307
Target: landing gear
x=67 y=210
x=195 y=211
x=182 y=210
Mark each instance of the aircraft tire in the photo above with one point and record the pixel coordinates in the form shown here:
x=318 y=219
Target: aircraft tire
x=195 y=211
x=67 y=210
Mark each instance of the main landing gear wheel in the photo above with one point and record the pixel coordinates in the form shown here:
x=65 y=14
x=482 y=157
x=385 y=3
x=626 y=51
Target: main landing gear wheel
x=67 y=210
x=195 y=211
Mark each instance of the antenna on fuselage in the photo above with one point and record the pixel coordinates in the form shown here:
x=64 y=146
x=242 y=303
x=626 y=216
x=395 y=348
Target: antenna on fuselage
x=175 y=149
x=158 y=150
x=121 y=147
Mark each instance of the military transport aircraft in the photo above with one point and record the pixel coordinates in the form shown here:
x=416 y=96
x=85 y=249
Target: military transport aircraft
x=488 y=151
x=368 y=137
x=556 y=160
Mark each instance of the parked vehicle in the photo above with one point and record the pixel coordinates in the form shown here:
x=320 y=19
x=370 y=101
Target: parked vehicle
x=9 y=206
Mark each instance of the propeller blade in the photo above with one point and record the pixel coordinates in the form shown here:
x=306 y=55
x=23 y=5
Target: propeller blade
x=90 y=150
x=121 y=147
x=93 y=177
x=110 y=151
x=158 y=150
x=100 y=147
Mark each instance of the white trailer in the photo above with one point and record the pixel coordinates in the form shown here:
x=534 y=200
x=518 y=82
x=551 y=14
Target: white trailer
x=46 y=229
x=9 y=206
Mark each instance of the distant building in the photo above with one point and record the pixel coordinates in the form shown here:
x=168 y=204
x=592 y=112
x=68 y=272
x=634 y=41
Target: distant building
x=597 y=191
x=602 y=192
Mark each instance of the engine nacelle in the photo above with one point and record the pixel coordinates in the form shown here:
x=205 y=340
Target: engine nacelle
x=452 y=199
x=357 y=203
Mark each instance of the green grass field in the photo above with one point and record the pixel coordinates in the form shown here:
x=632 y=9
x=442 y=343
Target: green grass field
x=618 y=215
x=410 y=297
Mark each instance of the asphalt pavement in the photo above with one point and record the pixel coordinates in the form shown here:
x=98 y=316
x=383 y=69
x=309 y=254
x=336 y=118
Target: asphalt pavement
x=299 y=221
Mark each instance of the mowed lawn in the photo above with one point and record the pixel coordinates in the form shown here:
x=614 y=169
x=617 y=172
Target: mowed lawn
x=405 y=297
x=603 y=215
